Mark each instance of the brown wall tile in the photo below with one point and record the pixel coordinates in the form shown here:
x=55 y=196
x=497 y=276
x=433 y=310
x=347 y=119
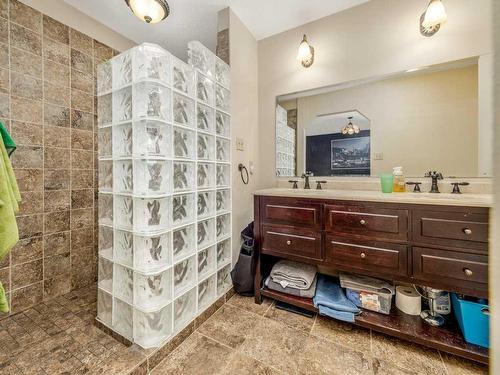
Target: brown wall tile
x=4 y=105
x=26 y=134
x=56 y=115
x=55 y=94
x=4 y=80
x=102 y=51
x=57 y=243
x=57 y=179
x=82 y=100
x=55 y=286
x=27 y=250
x=4 y=55
x=56 y=222
x=28 y=157
x=81 y=61
x=32 y=203
x=82 y=81
x=81 y=238
x=82 y=120
x=5 y=262
x=55 y=51
x=24 y=39
x=5 y=278
x=26 y=274
x=26 y=86
x=56 y=200
x=56 y=73
x=56 y=136
x=26 y=110
x=25 y=62
x=83 y=276
x=82 y=218
x=4 y=8
x=25 y=16
x=55 y=30
x=81 y=42
x=4 y=30
x=82 y=139
x=82 y=257
x=29 y=179
x=82 y=159
x=26 y=297
x=57 y=158
x=82 y=179
x=82 y=198
x=57 y=265
x=30 y=225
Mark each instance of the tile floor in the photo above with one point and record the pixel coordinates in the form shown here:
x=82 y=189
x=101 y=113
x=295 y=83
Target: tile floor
x=241 y=337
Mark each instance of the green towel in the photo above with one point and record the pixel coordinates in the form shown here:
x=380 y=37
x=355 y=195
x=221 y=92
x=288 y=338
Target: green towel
x=9 y=143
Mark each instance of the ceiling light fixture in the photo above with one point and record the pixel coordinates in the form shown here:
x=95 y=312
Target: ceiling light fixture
x=350 y=129
x=150 y=11
x=306 y=53
x=433 y=17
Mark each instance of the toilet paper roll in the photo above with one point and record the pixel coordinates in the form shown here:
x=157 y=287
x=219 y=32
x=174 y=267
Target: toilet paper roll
x=408 y=300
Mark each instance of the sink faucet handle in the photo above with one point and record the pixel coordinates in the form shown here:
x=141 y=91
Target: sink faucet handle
x=456 y=187
x=416 y=188
x=318 y=184
x=294 y=182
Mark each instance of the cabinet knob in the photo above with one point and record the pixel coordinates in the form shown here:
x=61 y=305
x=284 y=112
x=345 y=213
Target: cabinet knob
x=467 y=231
x=288 y=242
x=468 y=272
x=362 y=222
x=362 y=255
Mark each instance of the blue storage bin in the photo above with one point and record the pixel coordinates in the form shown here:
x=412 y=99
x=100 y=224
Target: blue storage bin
x=474 y=320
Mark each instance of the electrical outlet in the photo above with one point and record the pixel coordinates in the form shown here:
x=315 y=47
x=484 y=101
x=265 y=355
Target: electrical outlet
x=378 y=156
x=240 y=144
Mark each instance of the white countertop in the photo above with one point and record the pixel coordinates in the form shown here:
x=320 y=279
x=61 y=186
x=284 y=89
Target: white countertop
x=444 y=199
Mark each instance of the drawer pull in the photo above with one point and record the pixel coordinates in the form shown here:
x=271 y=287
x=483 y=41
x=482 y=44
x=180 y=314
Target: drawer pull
x=468 y=272
x=362 y=255
x=288 y=242
x=362 y=222
x=467 y=231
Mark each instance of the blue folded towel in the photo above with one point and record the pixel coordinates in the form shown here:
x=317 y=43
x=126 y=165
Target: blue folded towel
x=331 y=300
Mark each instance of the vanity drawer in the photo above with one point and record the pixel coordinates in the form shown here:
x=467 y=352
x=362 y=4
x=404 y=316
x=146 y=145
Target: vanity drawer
x=290 y=212
x=443 y=265
x=375 y=257
x=299 y=243
x=451 y=228
x=372 y=222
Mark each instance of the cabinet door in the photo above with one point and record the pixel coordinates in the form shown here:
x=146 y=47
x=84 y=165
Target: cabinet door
x=291 y=243
x=293 y=212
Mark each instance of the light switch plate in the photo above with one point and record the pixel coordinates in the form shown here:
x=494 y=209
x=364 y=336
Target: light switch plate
x=240 y=144
x=378 y=156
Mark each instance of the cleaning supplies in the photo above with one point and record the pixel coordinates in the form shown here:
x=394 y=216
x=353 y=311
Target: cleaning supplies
x=399 y=183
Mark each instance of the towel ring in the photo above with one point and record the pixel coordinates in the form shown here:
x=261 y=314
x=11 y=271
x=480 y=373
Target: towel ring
x=245 y=177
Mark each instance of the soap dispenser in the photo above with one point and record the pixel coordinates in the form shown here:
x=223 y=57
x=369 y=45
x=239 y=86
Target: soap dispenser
x=399 y=185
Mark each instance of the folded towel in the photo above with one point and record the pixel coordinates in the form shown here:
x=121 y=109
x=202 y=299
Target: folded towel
x=293 y=274
x=307 y=293
x=331 y=300
x=366 y=284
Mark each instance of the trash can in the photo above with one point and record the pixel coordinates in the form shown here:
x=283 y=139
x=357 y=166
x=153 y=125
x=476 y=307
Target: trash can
x=243 y=272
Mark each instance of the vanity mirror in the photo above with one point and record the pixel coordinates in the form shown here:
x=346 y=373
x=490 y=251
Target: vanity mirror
x=421 y=119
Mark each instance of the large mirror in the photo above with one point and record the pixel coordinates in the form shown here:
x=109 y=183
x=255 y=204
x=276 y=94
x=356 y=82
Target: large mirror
x=422 y=119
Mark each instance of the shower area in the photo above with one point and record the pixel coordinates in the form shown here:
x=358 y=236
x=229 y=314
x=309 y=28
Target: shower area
x=164 y=216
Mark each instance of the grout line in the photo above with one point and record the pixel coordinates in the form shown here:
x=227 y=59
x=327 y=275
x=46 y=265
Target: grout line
x=442 y=362
x=9 y=128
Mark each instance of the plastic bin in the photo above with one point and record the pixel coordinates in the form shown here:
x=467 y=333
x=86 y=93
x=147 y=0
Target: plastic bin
x=473 y=319
x=378 y=302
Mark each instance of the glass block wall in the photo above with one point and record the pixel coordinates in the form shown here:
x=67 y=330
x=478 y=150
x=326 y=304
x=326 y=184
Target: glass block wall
x=164 y=190
x=285 y=145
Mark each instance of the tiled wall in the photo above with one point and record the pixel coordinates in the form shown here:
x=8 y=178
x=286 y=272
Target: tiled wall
x=47 y=101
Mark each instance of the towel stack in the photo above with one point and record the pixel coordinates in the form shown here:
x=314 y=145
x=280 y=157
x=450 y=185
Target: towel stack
x=293 y=278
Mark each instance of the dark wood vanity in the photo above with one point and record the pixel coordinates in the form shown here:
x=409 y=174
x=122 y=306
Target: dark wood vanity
x=445 y=247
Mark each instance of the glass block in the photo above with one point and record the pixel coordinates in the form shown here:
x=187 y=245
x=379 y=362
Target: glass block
x=152 y=177
x=183 y=209
x=123 y=247
x=184 y=275
x=206 y=262
x=153 y=291
x=105 y=175
x=122 y=104
x=222 y=73
x=204 y=89
x=122 y=69
x=104 y=142
x=105 y=204
x=122 y=140
x=152 y=138
x=201 y=58
x=223 y=252
x=105 y=275
x=206 y=204
x=223 y=200
x=223 y=225
x=123 y=209
x=222 y=98
x=206 y=233
x=152 y=214
x=184 y=143
x=152 y=252
x=206 y=147
x=123 y=176
x=123 y=316
x=105 y=109
x=223 y=175
x=222 y=124
x=183 y=241
x=206 y=175
x=182 y=77
x=105 y=238
x=204 y=118
x=183 y=110
x=184 y=176
x=152 y=328
x=206 y=292
x=151 y=62
x=104 y=307
x=104 y=77
x=224 y=280
x=184 y=309
x=123 y=286
x=223 y=148
x=152 y=100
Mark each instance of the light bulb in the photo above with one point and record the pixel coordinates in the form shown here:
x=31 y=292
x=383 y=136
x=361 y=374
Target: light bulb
x=150 y=11
x=304 y=50
x=435 y=14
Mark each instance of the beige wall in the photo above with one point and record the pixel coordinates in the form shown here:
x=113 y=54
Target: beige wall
x=62 y=12
x=422 y=121
x=244 y=122
x=377 y=38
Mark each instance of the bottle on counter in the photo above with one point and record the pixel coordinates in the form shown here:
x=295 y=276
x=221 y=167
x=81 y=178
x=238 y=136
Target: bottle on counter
x=399 y=183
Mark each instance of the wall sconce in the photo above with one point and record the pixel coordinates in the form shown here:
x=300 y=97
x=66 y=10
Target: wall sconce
x=150 y=11
x=432 y=19
x=306 y=53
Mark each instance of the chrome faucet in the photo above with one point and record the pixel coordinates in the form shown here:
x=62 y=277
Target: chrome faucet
x=306 y=176
x=435 y=176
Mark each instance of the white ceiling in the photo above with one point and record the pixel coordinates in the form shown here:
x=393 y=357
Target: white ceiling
x=197 y=19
